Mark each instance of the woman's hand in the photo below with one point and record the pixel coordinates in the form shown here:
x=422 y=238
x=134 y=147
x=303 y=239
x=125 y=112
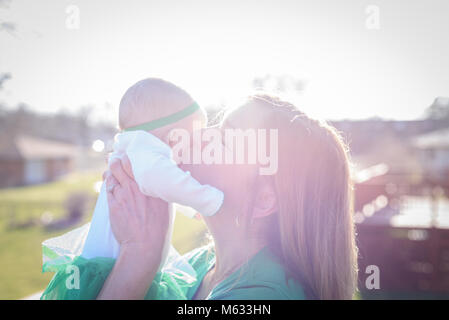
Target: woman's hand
x=140 y=225
x=136 y=220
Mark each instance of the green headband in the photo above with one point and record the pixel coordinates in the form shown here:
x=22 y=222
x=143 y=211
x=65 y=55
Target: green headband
x=161 y=122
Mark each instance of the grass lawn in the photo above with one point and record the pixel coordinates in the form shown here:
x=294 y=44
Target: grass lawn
x=20 y=248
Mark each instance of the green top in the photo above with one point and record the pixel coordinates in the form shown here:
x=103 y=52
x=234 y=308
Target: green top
x=262 y=278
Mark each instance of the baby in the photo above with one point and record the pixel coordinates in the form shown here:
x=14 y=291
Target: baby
x=148 y=113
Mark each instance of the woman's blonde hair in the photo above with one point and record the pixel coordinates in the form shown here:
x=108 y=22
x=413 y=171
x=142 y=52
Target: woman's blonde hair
x=314 y=233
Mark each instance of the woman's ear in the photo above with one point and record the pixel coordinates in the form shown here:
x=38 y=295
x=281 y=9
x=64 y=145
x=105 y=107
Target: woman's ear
x=265 y=201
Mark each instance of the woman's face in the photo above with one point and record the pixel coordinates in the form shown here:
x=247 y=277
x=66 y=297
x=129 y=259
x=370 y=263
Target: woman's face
x=236 y=180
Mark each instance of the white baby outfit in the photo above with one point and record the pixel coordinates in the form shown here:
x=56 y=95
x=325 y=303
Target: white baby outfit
x=157 y=175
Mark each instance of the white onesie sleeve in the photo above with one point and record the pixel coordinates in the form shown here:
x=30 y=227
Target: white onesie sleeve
x=158 y=175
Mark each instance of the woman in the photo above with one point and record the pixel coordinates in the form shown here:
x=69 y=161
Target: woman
x=285 y=236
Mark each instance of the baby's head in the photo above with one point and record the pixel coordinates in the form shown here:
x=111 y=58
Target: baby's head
x=152 y=99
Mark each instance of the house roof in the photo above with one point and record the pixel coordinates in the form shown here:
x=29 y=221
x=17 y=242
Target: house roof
x=27 y=147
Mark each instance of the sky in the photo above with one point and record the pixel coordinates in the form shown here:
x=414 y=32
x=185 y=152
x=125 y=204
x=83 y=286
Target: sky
x=358 y=59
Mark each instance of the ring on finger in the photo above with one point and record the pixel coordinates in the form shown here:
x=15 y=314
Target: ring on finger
x=111 y=188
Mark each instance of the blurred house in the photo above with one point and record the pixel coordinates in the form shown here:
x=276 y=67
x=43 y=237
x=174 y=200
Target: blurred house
x=416 y=152
x=28 y=160
x=433 y=150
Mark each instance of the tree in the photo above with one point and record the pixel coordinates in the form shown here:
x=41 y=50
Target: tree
x=439 y=109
